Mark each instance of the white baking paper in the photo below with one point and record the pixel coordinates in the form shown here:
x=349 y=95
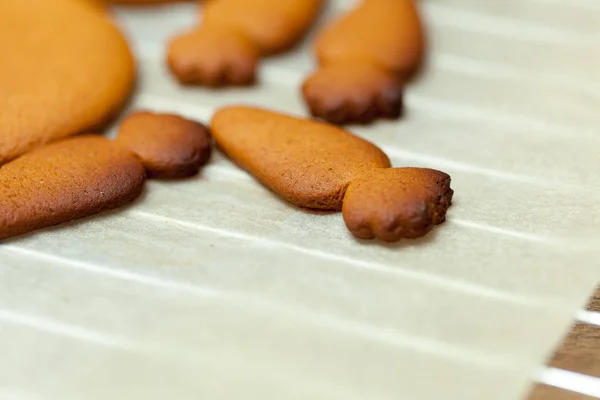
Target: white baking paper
x=212 y=288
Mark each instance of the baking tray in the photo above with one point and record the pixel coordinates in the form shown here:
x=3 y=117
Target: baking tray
x=212 y=288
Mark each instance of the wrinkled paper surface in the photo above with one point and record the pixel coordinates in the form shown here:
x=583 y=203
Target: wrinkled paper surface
x=212 y=288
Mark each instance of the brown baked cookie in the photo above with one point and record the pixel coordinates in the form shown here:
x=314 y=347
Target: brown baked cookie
x=66 y=180
x=66 y=68
x=308 y=163
x=169 y=146
x=234 y=35
x=366 y=57
x=395 y=203
x=143 y=2
x=320 y=166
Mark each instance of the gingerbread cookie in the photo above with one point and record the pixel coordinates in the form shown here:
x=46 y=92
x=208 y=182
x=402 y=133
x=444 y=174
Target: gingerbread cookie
x=169 y=146
x=142 y=2
x=320 y=166
x=66 y=180
x=66 y=69
x=234 y=35
x=365 y=60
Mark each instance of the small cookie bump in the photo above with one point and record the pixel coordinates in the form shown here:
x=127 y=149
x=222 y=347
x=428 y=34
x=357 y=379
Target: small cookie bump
x=66 y=180
x=168 y=145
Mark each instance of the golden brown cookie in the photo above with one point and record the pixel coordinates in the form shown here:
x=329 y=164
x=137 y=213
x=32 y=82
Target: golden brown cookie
x=320 y=166
x=66 y=69
x=308 y=163
x=143 y=2
x=366 y=58
x=395 y=203
x=169 y=146
x=66 y=180
x=234 y=35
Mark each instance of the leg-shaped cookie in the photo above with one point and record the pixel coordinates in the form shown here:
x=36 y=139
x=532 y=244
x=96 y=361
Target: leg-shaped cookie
x=81 y=176
x=308 y=163
x=65 y=68
x=234 y=35
x=66 y=180
x=365 y=59
x=320 y=166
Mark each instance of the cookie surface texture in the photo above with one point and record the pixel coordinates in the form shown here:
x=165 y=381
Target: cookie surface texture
x=66 y=69
x=308 y=163
x=168 y=146
x=363 y=69
x=395 y=203
x=66 y=180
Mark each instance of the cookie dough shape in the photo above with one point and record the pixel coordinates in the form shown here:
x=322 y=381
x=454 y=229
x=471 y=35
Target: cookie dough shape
x=66 y=180
x=234 y=35
x=142 y=2
x=168 y=145
x=365 y=59
x=320 y=166
x=65 y=69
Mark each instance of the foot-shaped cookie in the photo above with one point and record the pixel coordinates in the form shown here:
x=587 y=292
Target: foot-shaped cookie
x=353 y=92
x=66 y=180
x=320 y=166
x=212 y=57
x=395 y=203
x=365 y=58
x=234 y=34
x=81 y=176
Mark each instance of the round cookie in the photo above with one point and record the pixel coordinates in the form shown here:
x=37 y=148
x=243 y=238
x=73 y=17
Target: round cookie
x=168 y=146
x=66 y=70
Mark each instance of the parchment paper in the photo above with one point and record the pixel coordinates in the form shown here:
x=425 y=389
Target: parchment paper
x=212 y=288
